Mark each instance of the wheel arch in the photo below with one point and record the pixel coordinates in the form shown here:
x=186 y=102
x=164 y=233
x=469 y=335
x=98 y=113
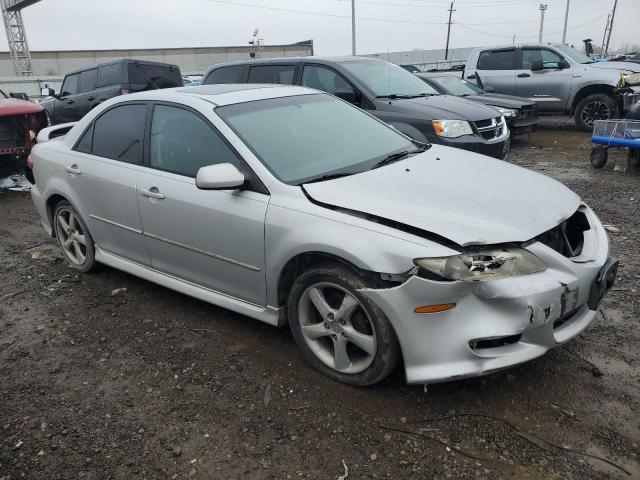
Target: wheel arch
x=590 y=90
x=50 y=204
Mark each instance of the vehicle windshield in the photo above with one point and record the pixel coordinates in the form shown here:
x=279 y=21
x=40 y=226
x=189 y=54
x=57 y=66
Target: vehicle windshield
x=574 y=54
x=386 y=79
x=457 y=86
x=307 y=137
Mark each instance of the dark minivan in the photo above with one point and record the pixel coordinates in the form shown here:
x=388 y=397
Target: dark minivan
x=84 y=89
x=388 y=92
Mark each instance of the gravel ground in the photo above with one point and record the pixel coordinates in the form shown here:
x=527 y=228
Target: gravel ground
x=104 y=375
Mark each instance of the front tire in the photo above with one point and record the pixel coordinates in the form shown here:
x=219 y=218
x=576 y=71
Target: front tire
x=74 y=238
x=340 y=331
x=597 y=106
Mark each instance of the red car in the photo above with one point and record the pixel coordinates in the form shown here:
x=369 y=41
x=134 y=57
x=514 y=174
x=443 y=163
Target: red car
x=20 y=122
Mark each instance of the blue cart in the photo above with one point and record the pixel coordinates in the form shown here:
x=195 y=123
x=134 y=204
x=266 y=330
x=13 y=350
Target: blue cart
x=615 y=133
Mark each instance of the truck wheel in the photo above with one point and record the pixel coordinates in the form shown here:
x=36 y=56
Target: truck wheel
x=597 y=106
x=599 y=157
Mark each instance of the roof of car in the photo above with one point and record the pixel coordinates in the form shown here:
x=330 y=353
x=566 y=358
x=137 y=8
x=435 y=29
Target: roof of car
x=286 y=60
x=119 y=60
x=517 y=45
x=223 y=94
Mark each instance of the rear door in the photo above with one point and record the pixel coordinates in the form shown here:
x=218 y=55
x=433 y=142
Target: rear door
x=497 y=69
x=549 y=87
x=213 y=238
x=102 y=173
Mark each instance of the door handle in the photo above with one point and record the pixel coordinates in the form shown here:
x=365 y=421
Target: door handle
x=72 y=169
x=524 y=75
x=91 y=99
x=153 y=192
x=471 y=77
x=69 y=102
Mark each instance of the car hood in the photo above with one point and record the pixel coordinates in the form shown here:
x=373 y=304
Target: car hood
x=467 y=198
x=621 y=66
x=498 y=100
x=445 y=107
x=15 y=106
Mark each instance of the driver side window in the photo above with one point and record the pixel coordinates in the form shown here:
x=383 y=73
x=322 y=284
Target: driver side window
x=324 y=79
x=549 y=59
x=182 y=143
x=70 y=86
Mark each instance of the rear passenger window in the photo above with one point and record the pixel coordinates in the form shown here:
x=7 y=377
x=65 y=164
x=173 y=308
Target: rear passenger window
x=88 y=80
x=109 y=74
x=118 y=133
x=233 y=74
x=182 y=143
x=497 y=60
x=282 y=74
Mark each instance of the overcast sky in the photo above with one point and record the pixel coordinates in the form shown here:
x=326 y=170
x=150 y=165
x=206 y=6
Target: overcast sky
x=382 y=24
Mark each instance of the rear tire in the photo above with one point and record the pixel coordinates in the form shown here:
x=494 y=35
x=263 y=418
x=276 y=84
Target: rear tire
x=74 y=238
x=597 y=106
x=352 y=341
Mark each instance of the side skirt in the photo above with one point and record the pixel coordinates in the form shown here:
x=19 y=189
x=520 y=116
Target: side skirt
x=267 y=314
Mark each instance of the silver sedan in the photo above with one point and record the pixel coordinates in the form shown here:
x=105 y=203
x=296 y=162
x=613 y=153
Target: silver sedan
x=289 y=205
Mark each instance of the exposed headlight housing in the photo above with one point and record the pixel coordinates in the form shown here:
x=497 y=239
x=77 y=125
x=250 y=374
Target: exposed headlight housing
x=507 y=112
x=452 y=128
x=482 y=265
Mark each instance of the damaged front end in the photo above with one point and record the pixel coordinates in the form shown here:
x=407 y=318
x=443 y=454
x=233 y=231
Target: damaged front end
x=501 y=317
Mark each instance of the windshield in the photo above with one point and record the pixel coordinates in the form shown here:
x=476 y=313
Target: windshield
x=457 y=86
x=575 y=55
x=385 y=79
x=303 y=138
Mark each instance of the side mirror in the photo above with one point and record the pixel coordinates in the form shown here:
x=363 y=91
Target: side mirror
x=490 y=90
x=346 y=95
x=537 y=65
x=562 y=64
x=47 y=92
x=223 y=176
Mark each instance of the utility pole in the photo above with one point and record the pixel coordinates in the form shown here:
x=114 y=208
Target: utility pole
x=566 y=20
x=353 y=27
x=604 y=36
x=446 y=50
x=613 y=16
x=543 y=8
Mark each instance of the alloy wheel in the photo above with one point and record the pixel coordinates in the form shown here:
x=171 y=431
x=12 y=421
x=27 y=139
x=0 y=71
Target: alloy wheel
x=71 y=237
x=337 y=328
x=595 y=110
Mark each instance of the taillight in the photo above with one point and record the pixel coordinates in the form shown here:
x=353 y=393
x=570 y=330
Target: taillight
x=124 y=92
x=30 y=162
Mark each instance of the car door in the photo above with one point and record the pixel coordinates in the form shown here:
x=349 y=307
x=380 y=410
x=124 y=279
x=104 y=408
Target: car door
x=102 y=173
x=549 y=87
x=212 y=238
x=86 y=97
x=64 y=106
x=496 y=68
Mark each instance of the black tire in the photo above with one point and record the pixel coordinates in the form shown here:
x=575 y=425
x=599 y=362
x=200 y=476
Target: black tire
x=633 y=157
x=387 y=348
x=599 y=156
x=88 y=250
x=597 y=106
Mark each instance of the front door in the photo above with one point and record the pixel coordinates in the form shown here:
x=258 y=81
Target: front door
x=212 y=238
x=64 y=106
x=102 y=172
x=549 y=87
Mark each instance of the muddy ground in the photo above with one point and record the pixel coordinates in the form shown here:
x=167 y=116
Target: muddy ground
x=149 y=383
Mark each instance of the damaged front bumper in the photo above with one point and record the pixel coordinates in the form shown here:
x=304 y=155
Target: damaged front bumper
x=501 y=323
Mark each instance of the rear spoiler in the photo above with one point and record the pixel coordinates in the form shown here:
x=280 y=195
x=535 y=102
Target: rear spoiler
x=50 y=133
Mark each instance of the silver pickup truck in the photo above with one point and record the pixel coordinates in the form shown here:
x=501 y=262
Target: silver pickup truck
x=556 y=76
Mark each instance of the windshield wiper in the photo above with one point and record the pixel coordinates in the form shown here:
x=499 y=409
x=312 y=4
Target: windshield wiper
x=394 y=157
x=328 y=176
x=393 y=96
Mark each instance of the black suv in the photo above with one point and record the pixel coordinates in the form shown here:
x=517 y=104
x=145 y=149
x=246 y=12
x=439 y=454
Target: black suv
x=388 y=92
x=84 y=89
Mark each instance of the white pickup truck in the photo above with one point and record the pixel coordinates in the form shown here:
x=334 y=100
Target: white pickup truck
x=556 y=76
